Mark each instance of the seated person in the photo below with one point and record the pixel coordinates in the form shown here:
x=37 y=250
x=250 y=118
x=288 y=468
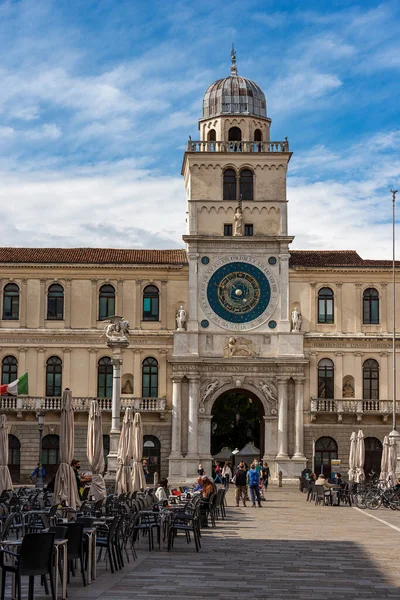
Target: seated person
x=199 y=486
x=162 y=490
x=397 y=486
x=322 y=481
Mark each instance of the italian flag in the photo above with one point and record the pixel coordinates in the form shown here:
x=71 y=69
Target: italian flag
x=17 y=387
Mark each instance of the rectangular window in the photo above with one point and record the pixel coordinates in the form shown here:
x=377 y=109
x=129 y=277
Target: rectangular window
x=228 y=229
x=248 y=229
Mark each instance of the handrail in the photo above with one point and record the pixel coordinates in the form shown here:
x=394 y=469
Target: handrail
x=242 y=146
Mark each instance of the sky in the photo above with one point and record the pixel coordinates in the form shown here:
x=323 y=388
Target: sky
x=98 y=98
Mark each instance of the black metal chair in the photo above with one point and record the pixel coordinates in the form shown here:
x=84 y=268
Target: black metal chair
x=189 y=522
x=34 y=558
x=322 y=495
x=75 y=548
x=105 y=539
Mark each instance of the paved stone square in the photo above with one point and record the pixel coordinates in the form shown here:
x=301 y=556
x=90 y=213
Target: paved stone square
x=289 y=549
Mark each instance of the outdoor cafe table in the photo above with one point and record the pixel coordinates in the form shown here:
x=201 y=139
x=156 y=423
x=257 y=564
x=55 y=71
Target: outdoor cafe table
x=58 y=544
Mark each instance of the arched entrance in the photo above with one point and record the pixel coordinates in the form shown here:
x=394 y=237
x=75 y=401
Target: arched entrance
x=326 y=449
x=237 y=418
x=152 y=453
x=373 y=457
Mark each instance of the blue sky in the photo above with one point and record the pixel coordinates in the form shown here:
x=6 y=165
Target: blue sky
x=97 y=99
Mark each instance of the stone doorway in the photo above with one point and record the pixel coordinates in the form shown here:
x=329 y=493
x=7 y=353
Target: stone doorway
x=237 y=418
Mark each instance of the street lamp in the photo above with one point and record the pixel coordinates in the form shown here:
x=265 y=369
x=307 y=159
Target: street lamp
x=394 y=435
x=39 y=478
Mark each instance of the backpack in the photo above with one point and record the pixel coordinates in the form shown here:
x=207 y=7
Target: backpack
x=253 y=477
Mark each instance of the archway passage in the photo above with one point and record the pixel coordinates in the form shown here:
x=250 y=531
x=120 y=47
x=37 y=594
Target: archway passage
x=373 y=457
x=237 y=418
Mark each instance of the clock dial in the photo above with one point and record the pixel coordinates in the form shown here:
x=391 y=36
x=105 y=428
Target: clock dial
x=238 y=292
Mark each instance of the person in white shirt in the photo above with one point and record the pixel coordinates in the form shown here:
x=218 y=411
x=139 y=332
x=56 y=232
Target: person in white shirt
x=227 y=474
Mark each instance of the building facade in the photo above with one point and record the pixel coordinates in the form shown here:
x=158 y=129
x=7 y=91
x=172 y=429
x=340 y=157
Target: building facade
x=303 y=335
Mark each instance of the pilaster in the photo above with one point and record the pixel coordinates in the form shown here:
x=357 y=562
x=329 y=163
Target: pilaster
x=24 y=304
x=93 y=304
x=284 y=285
x=40 y=372
x=21 y=361
x=164 y=304
x=193 y=416
x=339 y=308
x=338 y=383
x=358 y=375
x=282 y=417
x=138 y=304
x=313 y=305
x=299 y=418
x=137 y=373
x=66 y=375
x=358 y=307
x=383 y=376
x=92 y=372
x=42 y=303
x=313 y=375
x=120 y=297
x=176 y=439
x=193 y=299
x=67 y=304
x=383 y=308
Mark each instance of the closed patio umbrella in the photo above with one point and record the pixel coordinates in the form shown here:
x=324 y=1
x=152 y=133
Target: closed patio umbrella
x=95 y=452
x=392 y=463
x=360 y=457
x=352 y=456
x=65 y=487
x=385 y=459
x=123 y=479
x=138 y=479
x=5 y=477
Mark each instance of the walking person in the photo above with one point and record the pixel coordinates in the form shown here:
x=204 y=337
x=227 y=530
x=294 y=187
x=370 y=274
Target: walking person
x=266 y=474
x=226 y=475
x=218 y=474
x=240 y=484
x=253 y=479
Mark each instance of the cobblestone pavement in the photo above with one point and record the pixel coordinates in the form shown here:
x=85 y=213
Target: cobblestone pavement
x=289 y=549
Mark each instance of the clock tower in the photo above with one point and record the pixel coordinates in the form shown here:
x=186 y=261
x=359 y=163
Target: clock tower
x=238 y=333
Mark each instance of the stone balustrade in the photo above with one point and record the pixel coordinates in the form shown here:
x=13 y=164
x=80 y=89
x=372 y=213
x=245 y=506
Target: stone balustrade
x=80 y=404
x=350 y=406
x=245 y=146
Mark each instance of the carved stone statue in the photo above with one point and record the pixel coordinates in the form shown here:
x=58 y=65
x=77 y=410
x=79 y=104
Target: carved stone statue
x=348 y=390
x=117 y=329
x=127 y=387
x=296 y=319
x=239 y=347
x=269 y=390
x=209 y=388
x=238 y=222
x=181 y=319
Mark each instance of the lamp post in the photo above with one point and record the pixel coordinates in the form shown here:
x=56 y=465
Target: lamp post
x=39 y=478
x=394 y=435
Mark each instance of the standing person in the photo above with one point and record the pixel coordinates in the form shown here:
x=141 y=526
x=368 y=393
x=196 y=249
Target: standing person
x=265 y=474
x=218 y=473
x=226 y=474
x=146 y=471
x=200 y=470
x=76 y=465
x=35 y=473
x=253 y=479
x=240 y=483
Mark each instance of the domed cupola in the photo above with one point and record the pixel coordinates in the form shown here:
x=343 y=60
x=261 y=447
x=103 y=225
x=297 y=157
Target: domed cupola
x=234 y=95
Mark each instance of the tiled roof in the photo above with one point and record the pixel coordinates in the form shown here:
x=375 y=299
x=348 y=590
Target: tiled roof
x=98 y=256
x=333 y=258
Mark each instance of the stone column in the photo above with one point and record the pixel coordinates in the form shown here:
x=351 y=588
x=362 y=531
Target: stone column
x=358 y=320
x=383 y=308
x=92 y=375
x=338 y=383
x=42 y=303
x=270 y=441
x=24 y=304
x=313 y=375
x=284 y=285
x=358 y=376
x=138 y=304
x=299 y=418
x=282 y=417
x=67 y=304
x=313 y=306
x=176 y=440
x=93 y=305
x=120 y=297
x=164 y=304
x=383 y=376
x=66 y=375
x=339 y=326
x=193 y=418
x=193 y=299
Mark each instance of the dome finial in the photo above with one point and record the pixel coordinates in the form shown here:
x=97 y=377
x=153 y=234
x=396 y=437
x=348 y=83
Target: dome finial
x=233 y=58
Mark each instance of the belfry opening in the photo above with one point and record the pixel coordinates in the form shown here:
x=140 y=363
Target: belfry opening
x=237 y=419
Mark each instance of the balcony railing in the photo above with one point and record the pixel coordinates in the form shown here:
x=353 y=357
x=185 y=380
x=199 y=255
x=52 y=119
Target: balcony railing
x=352 y=406
x=200 y=146
x=80 y=404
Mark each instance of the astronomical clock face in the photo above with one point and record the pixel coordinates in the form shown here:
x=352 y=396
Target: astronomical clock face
x=238 y=293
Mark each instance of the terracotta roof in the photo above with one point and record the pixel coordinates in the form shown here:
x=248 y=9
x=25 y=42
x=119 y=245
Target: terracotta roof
x=99 y=256
x=333 y=258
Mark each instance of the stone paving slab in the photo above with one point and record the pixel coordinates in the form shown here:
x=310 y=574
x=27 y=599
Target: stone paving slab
x=289 y=549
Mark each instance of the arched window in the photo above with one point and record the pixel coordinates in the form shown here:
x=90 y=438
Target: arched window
x=11 y=302
x=370 y=306
x=9 y=369
x=55 y=302
x=50 y=455
x=106 y=302
x=370 y=380
x=326 y=449
x=152 y=454
x=325 y=305
x=325 y=379
x=150 y=303
x=229 y=184
x=150 y=378
x=212 y=135
x=53 y=376
x=246 y=184
x=373 y=457
x=258 y=135
x=14 y=457
x=104 y=377
x=235 y=134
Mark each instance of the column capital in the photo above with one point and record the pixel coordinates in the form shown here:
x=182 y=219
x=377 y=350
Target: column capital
x=40 y=349
x=339 y=353
x=94 y=281
x=164 y=282
x=282 y=379
x=93 y=350
x=339 y=284
x=358 y=354
x=66 y=350
x=193 y=255
x=284 y=256
x=383 y=354
x=313 y=284
x=193 y=377
x=42 y=281
x=299 y=379
x=138 y=281
x=358 y=285
x=22 y=349
x=120 y=281
x=384 y=285
x=313 y=353
x=116 y=362
x=176 y=378
x=68 y=280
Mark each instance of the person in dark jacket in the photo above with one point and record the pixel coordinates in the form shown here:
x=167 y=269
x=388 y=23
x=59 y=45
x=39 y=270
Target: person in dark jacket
x=240 y=483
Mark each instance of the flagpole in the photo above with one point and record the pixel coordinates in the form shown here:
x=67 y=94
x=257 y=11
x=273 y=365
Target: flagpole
x=394 y=435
